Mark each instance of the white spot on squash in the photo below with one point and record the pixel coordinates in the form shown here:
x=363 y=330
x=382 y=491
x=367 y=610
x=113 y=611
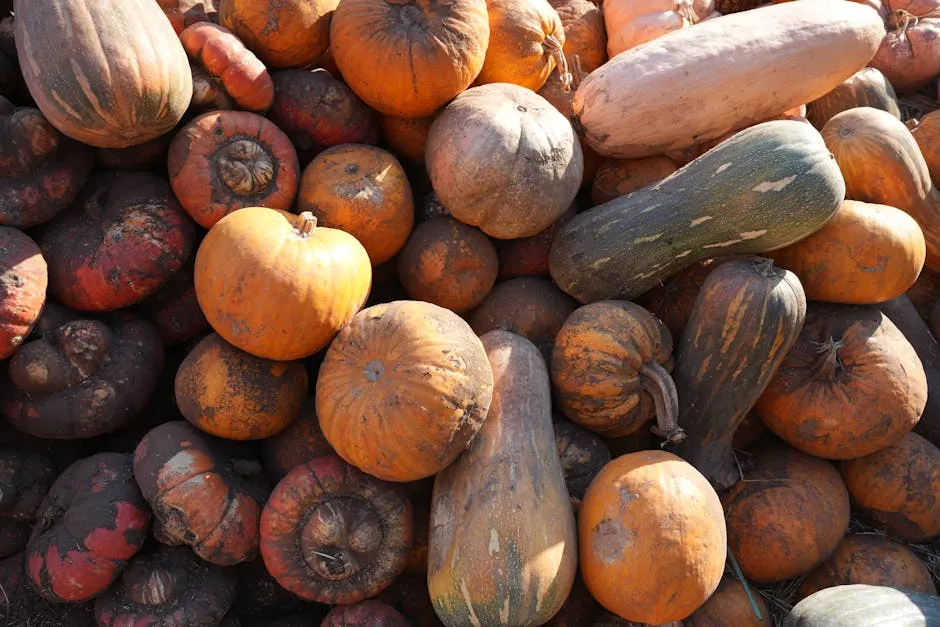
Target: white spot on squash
x=774 y=186
x=752 y=234
x=466 y=597
x=494 y=542
x=722 y=168
x=684 y=253
x=698 y=221
x=647 y=239
x=730 y=242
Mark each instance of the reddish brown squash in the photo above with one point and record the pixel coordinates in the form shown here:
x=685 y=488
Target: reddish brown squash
x=485 y=567
x=406 y=137
x=183 y=13
x=371 y=613
x=866 y=88
x=866 y=254
x=909 y=56
x=300 y=442
x=23 y=281
x=731 y=606
x=585 y=43
x=630 y=24
x=528 y=256
x=619 y=177
x=882 y=163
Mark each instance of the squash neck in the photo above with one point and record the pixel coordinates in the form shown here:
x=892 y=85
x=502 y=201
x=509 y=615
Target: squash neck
x=659 y=384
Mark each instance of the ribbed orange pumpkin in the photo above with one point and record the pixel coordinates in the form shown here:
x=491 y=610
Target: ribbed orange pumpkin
x=277 y=286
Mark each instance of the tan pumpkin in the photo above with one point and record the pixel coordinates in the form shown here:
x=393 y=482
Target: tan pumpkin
x=630 y=23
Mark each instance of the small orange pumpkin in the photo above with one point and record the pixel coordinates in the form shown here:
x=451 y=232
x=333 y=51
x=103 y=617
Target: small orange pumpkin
x=406 y=137
x=731 y=607
x=633 y=22
x=277 y=286
x=585 y=34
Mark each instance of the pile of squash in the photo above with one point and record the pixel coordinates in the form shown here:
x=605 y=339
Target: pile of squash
x=469 y=312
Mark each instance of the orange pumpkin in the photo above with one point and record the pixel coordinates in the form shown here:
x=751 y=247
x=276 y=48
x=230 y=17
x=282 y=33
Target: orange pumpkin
x=406 y=137
x=364 y=191
x=277 y=286
x=300 y=442
x=866 y=88
x=230 y=394
x=427 y=53
x=619 y=177
x=870 y=559
x=899 y=487
x=630 y=23
x=526 y=44
x=585 y=34
x=448 y=263
x=787 y=516
x=866 y=254
x=731 y=607
x=926 y=132
x=183 y=13
x=287 y=33
x=403 y=389
x=645 y=518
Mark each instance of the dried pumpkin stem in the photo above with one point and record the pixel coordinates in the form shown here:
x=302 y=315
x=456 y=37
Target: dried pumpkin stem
x=308 y=222
x=556 y=50
x=659 y=384
x=828 y=363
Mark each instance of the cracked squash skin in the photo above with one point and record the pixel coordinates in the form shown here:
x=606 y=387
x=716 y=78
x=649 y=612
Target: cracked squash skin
x=764 y=188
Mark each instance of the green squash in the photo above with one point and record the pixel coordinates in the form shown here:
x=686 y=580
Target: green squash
x=861 y=605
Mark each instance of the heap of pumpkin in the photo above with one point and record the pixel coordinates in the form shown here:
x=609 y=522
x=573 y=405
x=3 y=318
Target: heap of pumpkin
x=478 y=312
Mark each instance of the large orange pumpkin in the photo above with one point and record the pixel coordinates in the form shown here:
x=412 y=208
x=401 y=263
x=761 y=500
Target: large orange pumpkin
x=403 y=390
x=277 y=286
x=109 y=74
x=652 y=537
x=409 y=58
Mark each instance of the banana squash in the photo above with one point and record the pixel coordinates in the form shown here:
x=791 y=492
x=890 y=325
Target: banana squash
x=766 y=187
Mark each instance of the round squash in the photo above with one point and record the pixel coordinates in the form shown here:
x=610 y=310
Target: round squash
x=585 y=44
x=528 y=256
x=502 y=158
x=619 y=177
x=866 y=88
x=24 y=277
x=406 y=137
x=861 y=605
x=731 y=607
x=646 y=517
x=899 y=487
x=364 y=191
x=909 y=55
x=409 y=58
x=866 y=254
x=403 y=389
x=122 y=79
x=277 y=286
x=851 y=385
x=787 y=516
x=926 y=132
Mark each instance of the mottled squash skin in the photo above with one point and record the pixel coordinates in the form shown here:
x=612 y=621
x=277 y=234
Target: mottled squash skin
x=864 y=605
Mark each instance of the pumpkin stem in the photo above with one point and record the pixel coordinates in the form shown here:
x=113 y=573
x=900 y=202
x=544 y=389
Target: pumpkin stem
x=556 y=50
x=659 y=384
x=308 y=222
x=685 y=11
x=828 y=363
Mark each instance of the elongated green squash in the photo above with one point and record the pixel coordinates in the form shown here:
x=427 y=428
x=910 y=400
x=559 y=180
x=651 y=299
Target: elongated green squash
x=861 y=605
x=764 y=188
x=502 y=546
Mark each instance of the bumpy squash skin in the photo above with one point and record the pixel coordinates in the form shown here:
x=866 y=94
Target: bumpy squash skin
x=719 y=376
x=502 y=545
x=766 y=187
x=866 y=88
x=861 y=605
x=123 y=79
x=882 y=163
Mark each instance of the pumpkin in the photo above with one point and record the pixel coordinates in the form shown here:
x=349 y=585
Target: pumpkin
x=630 y=24
x=403 y=389
x=585 y=42
x=898 y=487
x=767 y=187
x=619 y=177
x=230 y=394
x=868 y=142
x=749 y=432
x=300 y=442
x=409 y=595
x=371 y=613
x=582 y=454
x=23 y=281
x=866 y=88
x=870 y=559
x=316 y=111
x=80 y=378
x=431 y=52
x=864 y=606
x=629 y=557
x=526 y=44
x=419 y=493
x=731 y=605
x=364 y=191
x=197 y=497
x=25 y=479
x=528 y=256
x=851 y=385
x=866 y=254
x=112 y=86
x=926 y=132
x=909 y=56
x=149 y=156
x=406 y=137
x=89 y=524
x=662 y=97
x=924 y=292
x=483 y=566
x=610 y=370
x=226 y=75
x=560 y=95
x=318 y=277
x=332 y=534
x=448 y=263
x=223 y=161
x=497 y=137
x=719 y=377
x=787 y=515
x=170 y=586
x=528 y=306
x=175 y=311
x=183 y=13
x=41 y=171
x=289 y=33
x=259 y=597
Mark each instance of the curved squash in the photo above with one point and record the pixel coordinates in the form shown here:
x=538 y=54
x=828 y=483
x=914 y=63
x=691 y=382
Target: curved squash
x=502 y=548
x=866 y=88
x=122 y=79
x=718 y=378
x=696 y=84
x=768 y=186
x=861 y=605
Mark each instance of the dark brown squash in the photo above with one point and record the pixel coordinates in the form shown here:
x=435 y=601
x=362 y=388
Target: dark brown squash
x=302 y=441
x=866 y=88
x=371 y=613
x=746 y=317
x=25 y=478
x=731 y=606
x=582 y=454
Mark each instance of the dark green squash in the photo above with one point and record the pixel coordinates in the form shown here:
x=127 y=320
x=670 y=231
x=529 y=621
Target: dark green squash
x=764 y=188
x=866 y=88
x=861 y=605
x=746 y=317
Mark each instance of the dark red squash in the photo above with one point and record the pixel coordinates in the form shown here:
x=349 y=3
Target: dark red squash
x=25 y=478
x=732 y=607
x=183 y=13
x=371 y=613
x=528 y=256
x=300 y=442
x=175 y=310
x=23 y=282
x=91 y=523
